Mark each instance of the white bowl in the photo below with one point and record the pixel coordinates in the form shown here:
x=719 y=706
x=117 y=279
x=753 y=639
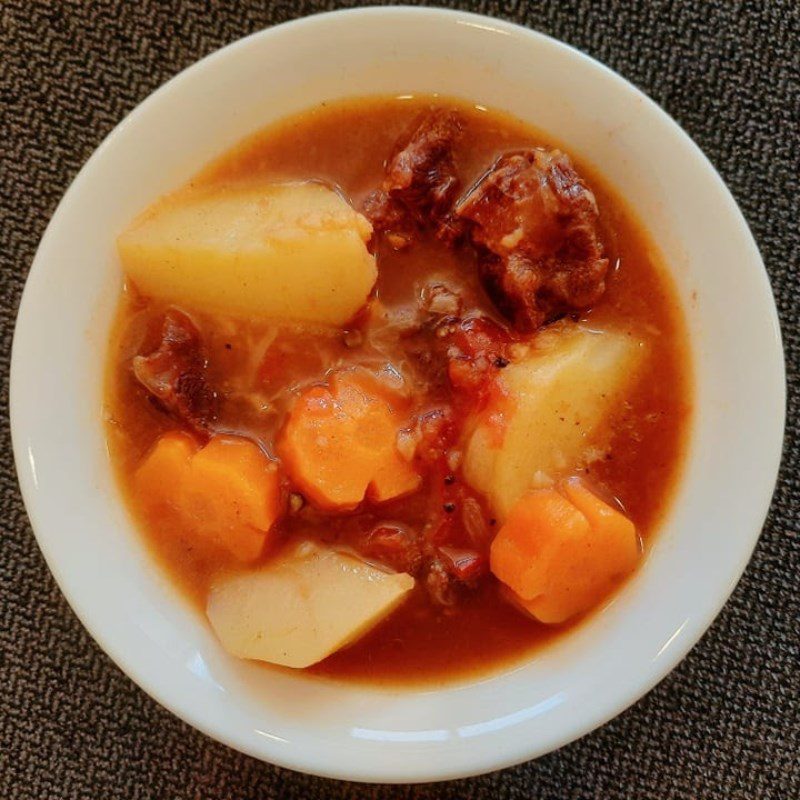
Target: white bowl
x=344 y=730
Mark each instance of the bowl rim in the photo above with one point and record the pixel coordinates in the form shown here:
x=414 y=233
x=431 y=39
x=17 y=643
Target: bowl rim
x=694 y=627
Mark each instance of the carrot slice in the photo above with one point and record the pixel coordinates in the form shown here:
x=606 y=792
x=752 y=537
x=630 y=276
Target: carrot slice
x=159 y=478
x=561 y=552
x=233 y=494
x=340 y=444
x=620 y=542
x=227 y=493
x=531 y=542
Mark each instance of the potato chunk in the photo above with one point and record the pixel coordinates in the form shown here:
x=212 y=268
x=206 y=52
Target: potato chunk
x=292 y=251
x=554 y=403
x=305 y=604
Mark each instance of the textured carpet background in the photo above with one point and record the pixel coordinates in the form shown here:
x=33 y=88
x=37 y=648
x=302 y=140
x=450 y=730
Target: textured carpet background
x=725 y=724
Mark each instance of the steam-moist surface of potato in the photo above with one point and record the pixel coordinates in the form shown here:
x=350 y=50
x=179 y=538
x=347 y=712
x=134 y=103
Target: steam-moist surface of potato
x=559 y=395
x=293 y=251
x=307 y=602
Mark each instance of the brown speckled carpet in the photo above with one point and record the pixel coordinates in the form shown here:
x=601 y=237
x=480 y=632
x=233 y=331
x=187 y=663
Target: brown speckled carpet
x=725 y=724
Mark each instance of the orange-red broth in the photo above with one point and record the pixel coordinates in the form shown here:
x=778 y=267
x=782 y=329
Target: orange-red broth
x=255 y=363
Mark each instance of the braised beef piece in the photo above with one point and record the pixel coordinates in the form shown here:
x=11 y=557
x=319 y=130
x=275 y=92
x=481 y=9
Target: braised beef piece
x=531 y=217
x=452 y=573
x=395 y=545
x=535 y=221
x=446 y=572
x=477 y=348
x=390 y=218
x=175 y=373
x=449 y=552
x=464 y=353
x=442 y=586
x=464 y=564
x=421 y=182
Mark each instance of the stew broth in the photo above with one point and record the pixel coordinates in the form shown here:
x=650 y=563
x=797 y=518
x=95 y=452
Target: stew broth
x=252 y=361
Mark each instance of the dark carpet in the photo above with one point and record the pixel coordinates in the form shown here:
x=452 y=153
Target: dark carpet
x=725 y=724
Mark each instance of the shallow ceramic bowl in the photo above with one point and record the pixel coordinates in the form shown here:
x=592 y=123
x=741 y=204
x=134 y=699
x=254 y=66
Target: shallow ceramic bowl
x=344 y=730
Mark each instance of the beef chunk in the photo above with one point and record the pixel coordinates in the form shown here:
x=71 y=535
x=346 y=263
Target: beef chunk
x=442 y=586
x=452 y=573
x=476 y=348
x=464 y=564
x=175 y=373
x=535 y=223
x=390 y=218
x=438 y=431
x=422 y=175
x=462 y=353
x=421 y=183
x=395 y=545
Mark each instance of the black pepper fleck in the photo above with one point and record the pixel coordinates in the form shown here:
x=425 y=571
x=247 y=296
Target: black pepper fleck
x=500 y=362
x=449 y=507
x=449 y=479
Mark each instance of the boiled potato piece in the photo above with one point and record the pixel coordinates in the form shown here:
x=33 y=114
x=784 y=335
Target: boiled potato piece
x=306 y=603
x=293 y=251
x=558 y=397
